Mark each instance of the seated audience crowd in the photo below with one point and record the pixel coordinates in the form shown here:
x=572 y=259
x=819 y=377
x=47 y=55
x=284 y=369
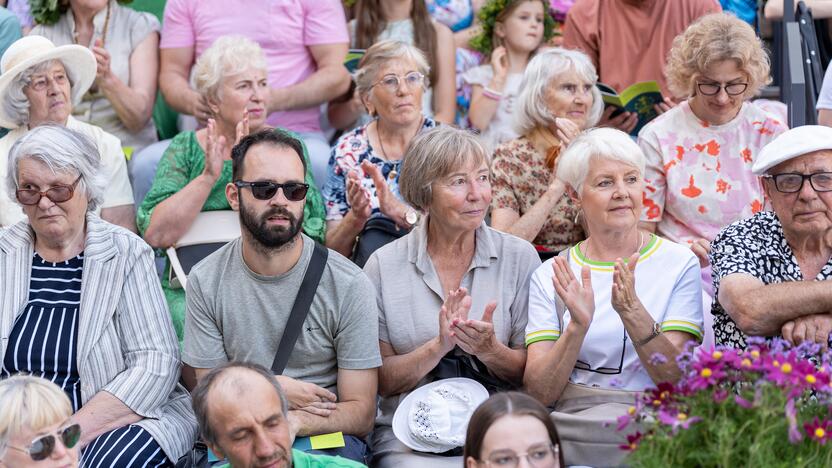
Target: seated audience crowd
x=415 y=282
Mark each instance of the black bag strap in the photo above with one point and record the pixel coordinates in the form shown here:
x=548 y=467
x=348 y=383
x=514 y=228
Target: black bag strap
x=300 y=308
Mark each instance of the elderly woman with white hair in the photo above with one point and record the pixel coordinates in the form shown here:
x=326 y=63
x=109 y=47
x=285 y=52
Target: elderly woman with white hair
x=612 y=312
x=80 y=305
x=39 y=84
x=196 y=167
x=557 y=100
x=35 y=426
x=362 y=190
x=452 y=293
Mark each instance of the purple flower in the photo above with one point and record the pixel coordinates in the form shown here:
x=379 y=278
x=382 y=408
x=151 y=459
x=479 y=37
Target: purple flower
x=677 y=419
x=791 y=416
x=632 y=442
x=743 y=402
x=819 y=430
x=657 y=359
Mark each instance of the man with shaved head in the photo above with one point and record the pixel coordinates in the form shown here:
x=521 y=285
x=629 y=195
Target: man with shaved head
x=241 y=411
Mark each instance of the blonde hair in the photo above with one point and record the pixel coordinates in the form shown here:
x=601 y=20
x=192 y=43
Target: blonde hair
x=227 y=56
x=711 y=39
x=434 y=154
x=382 y=53
x=29 y=403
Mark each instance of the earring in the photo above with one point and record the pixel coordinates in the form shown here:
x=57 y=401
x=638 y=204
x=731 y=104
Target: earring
x=577 y=217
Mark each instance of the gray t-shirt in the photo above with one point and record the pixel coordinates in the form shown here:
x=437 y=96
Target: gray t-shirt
x=236 y=314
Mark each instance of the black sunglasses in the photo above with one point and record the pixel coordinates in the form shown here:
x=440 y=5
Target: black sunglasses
x=293 y=191
x=42 y=447
x=57 y=193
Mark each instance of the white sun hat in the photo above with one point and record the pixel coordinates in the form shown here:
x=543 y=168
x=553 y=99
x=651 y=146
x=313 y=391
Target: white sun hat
x=434 y=417
x=791 y=144
x=27 y=51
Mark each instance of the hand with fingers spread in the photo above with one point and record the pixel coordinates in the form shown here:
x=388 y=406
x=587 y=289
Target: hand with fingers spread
x=358 y=197
x=567 y=130
x=477 y=337
x=576 y=295
x=701 y=247
x=624 y=298
x=215 y=150
x=388 y=204
x=242 y=129
x=305 y=396
x=625 y=121
x=816 y=328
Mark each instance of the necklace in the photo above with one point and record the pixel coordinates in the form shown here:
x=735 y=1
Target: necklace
x=393 y=173
x=638 y=247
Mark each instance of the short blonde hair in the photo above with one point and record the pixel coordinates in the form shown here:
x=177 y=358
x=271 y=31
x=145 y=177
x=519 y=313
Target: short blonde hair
x=227 y=56
x=381 y=53
x=29 y=403
x=712 y=39
x=598 y=143
x=435 y=154
x=547 y=66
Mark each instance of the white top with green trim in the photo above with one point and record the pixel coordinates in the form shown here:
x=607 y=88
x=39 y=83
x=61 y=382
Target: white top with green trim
x=667 y=283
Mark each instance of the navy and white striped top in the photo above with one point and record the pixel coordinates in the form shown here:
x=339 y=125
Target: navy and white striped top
x=44 y=337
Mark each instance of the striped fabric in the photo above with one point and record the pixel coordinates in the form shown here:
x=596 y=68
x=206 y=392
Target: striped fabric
x=126 y=345
x=43 y=339
x=125 y=447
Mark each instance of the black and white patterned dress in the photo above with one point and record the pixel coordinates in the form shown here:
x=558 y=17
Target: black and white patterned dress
x=44 y=343
x=755 y=246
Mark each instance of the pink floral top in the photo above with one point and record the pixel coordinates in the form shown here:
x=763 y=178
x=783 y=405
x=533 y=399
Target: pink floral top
x=698 y=176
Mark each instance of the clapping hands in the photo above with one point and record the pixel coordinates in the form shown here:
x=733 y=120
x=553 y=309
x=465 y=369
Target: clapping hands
x=475 y=337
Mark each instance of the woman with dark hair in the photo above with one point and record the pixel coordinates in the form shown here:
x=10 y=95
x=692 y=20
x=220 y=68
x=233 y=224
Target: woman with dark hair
x=508 y=427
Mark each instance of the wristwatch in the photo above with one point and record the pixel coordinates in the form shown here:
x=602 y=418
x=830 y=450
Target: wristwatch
x=657 y=330
x=411 y=217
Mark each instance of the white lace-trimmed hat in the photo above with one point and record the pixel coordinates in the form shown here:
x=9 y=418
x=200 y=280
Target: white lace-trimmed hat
x=791 y=144
x=27 y=51
x=434 y=417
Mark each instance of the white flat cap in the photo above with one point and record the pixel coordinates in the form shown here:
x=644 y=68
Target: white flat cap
x=791 y=144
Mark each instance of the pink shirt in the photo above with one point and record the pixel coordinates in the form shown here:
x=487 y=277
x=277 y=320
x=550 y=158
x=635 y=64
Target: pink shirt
x=283 y=28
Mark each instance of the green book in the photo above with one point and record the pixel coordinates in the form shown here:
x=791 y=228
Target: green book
x=639 y=98
x=353 y=57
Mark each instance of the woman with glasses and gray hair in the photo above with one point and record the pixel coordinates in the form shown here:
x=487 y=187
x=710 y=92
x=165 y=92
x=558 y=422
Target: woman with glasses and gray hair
x=608 y=316
x=699 y=154
x=452 y=294
x=363 y=182
x=80 y=305
x=558 y=99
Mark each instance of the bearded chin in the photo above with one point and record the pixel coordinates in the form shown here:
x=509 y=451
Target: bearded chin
x=271 y=237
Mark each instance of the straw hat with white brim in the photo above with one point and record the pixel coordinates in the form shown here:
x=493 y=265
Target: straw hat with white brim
x=434 y=417
x=79 y=62
x=791 y=144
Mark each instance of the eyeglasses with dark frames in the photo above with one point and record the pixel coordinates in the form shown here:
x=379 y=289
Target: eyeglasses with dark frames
x=42 y=447
x=712 y=89
x=56 y=193
x=293 y=191
x=792 y=182
x=581 y=365
x=392 y=82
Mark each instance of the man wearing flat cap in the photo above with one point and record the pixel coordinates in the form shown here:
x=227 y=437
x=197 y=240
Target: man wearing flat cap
x=770 y=270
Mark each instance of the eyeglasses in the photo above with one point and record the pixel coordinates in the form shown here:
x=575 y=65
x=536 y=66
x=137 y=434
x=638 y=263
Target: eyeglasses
x=539 y=456
x=42 y=447
x=392 y=82
x=57 y=194
x=40 y=83
x=712 y=89
x=791 y=182
x=293 y=191
x=605 y=370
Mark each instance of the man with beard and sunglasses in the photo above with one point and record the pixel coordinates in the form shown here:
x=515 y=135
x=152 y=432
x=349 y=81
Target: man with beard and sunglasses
x=241 y=410
x=240 y=297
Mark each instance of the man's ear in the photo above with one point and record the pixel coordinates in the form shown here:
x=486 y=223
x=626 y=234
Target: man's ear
x=231 y=194
x=767 y=185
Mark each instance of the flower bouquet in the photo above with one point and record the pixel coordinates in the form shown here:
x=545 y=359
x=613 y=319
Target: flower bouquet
x=765 y=406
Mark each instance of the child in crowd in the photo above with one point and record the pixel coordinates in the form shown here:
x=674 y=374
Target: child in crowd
x=512 y=31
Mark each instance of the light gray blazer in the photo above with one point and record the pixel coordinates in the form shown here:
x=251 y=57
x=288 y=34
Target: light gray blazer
x=126 y=342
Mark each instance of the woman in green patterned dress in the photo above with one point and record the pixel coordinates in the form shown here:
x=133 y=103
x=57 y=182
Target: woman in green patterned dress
x=193 y=173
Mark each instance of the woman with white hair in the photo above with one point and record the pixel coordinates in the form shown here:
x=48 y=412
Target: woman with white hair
x=558 y=99
x=364 y=169
x=614 y=311
x=35 y=426
x=39 y=84
x=196 y=167
x=80 y=305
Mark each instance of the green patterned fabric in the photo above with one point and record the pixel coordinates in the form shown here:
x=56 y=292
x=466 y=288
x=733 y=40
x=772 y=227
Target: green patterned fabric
x=182 y=162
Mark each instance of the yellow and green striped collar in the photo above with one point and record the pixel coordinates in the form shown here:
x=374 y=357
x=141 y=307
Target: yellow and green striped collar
x=578 y=257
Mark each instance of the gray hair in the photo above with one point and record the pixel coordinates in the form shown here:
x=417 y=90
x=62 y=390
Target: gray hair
x=227 y=56
x=62 y=150
x=200 y=397
x=29 y=403
x=15 y=102
x=434 y=154
x=546 y=67
x=598 y=143
x=381 y=53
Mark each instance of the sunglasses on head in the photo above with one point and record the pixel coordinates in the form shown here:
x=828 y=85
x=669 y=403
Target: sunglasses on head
x=293 y=191
x=42 y=447
x=56 y=193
